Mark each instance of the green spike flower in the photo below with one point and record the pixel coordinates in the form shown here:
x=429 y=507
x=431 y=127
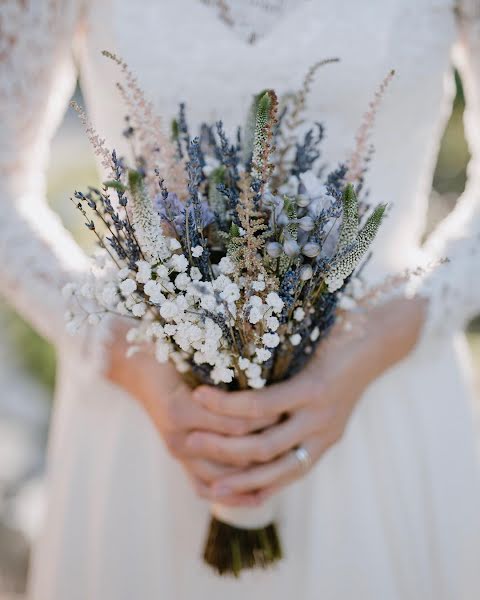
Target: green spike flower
x=345 y=263
x=250 y=128
x=264 y=122
x=349 y=226
x=146 y=221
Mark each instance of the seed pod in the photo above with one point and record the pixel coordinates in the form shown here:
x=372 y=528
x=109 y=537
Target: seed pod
x=302 y=200
x=291 y=248
x=311 y=249
x=274 y=249
x=306 y=273
x=306 y=223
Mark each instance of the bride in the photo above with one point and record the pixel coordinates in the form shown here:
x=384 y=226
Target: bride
x=383 y=500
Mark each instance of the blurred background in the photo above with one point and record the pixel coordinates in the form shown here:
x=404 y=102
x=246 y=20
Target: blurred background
x=27 y=363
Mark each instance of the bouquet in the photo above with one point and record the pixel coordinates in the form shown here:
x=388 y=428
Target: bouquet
x=229 y=257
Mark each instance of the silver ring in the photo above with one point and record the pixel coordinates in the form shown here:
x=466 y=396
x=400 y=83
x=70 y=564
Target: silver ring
x=303 y=457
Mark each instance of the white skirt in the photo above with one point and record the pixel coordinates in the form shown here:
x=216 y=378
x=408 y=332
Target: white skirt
x=392 y=512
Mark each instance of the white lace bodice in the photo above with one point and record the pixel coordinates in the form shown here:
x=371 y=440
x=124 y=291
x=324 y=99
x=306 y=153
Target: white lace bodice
x=185 y=50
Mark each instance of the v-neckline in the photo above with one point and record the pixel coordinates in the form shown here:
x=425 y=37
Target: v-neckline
x=255 y=40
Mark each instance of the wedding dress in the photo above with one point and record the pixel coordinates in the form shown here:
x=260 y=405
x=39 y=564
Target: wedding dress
x=392 y=512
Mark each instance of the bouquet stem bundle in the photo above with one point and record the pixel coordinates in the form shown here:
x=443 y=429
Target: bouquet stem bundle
x=230 y=550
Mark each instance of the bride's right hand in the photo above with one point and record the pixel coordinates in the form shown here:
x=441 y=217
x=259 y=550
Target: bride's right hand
x=167 y=400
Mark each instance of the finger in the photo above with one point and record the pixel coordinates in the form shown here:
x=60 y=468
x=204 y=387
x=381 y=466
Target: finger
x=265 y=479
x=245 y=450
x=247 y=500
x=207 y=471
x=271 y=401
x=197 y=417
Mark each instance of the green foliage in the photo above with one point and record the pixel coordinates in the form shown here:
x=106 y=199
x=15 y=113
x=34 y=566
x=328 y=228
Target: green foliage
x=116 y=185
x=175 y=130
x=291 y=212
x=217 y=199
x=36 y=355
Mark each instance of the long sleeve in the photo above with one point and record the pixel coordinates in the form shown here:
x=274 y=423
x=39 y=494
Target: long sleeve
x=37 y=76
x=453 y=288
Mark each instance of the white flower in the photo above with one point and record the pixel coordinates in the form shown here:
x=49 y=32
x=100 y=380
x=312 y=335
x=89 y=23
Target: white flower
x=181 y=281
x=162 y=271
x=139 y=309
x=179 y=263
x=275 y=302
x=271 y=340
x=110 y=294
x=263 y=354
x=255 y=315
x=221 y=374
x=123 y=273
x=334 y=283
x=243 y=363
x=162 y=351
x=87 y=291
x=208 y=303
x=93 y=319
x=155 y=330
x=73 y=326
x=170 y=329
x=226 y=265
x=255 y=301
x=253 y=371
x=315 y=334
x=257 y=383
x=131 y=351
x=231 y=293
x=181 y=364
x=195 y=274
x=258 y=286
x=133 y=335
x=273 y=323
x=128 y=286
x=153 y=290
x=144 y=271
x=347 y=303
x=168 y=310
x=197 y=251
x=221 y=283
x=299 y=314
x=313 y=184
x=122 y=309
x=295 y=339
x=174 y=244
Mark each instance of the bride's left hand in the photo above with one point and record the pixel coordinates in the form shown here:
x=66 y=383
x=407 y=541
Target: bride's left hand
x=318 y=402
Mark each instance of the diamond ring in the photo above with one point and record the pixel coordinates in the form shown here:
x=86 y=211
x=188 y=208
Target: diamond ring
x=303 y=457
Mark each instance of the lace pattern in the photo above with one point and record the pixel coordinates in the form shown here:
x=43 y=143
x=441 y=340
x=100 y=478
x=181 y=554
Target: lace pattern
x=453 y=288
x=37 y=255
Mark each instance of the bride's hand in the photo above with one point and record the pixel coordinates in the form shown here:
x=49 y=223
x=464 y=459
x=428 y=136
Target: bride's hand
x=167 y=399
x=319 y=402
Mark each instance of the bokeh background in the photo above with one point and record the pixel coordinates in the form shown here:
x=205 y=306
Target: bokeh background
x=27 y=362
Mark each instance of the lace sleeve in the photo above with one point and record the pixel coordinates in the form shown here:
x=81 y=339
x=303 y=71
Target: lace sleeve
x=37 y=255
x=453 y=288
